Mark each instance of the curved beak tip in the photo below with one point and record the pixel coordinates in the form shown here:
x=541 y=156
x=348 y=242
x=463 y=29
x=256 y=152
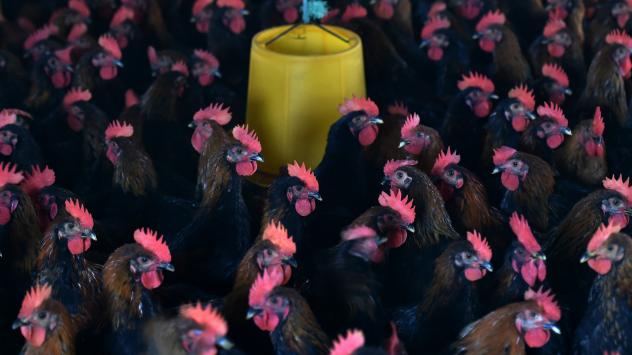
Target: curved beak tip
x=291 y=261
x=487 y=266
x=402 y=143
x=225 y=344
x=496 y=170
x=252 y=313
x=257 y=157
x=409 y=227
x=315 y=196
x=377 y=120
x=167 y=266
x=17 y=324
x=567 y=131
x=585 y=257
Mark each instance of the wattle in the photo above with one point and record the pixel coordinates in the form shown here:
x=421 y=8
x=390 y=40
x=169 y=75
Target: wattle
x=367 y=135
x=108 y=72
x=509 y=181
x=151 y=279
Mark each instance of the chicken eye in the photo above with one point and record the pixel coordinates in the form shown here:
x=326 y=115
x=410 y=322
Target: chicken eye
x=450 y=172
x=610 y=248
x=41 y=315
x=52 y=62
x=514 y=107
x=468 y=255
x=143 y=259
x=419 y=134
x=399 y=174
x=298 y=188
x=514 y=164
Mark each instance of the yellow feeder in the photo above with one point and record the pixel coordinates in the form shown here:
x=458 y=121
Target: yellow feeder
x=298 y=77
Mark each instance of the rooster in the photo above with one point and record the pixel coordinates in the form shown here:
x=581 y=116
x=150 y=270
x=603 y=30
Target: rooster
x=421 y=143
x=162 y=61
x=45 y=324
x=509 y=67
x=513 y=328
x=283 y=313
x=129 y=274
x=463 y=121
x=529 y=183
x=206 y=121
x=17 y=145
x=553 y=85
x=450 y=303
x=546 y=133
x=609 y=16
x=606 y=323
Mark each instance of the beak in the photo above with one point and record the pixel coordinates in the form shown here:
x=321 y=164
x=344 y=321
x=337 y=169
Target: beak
x=403 y=143
x=376 y=120
x=476 y=36
x=193 y=20
x=18 y=323
x=496 y=170
x=409 y=227
x=245 y=12
x=224 y=343
x=89 y=234
x=252 y=312
x=424 y=43
x=381 y=240
x=540 y=256
x=567 y=131
x=118 y=63
x=217 y=74
x=552 y=327
x=191 y=125
x=587 y=256
x=290 y=261
x=493 y=96
x=530 y=115
x=487 y=266
x=568 y=92
x=69 y=68
x=546 y=41
x=256 y=157
x=314 y=195
x=167 y=266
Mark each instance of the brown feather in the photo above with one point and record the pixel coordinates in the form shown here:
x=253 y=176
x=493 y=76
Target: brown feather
x=533 y=195
x=134 y=172
x=573 y=160
x=61 y=340
x=24 y=234
x=214 y=172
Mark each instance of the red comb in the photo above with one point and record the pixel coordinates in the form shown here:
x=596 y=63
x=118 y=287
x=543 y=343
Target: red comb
x=619 y=37
x=502 y=154
x=207 y=317
x=480 y=245
x=277 y=235
x=75 y=95
x=80 y=7
x=353 y=11
x=392 y=166
x=620 y=186
x=398 y=108
x=523 y=94
x=123 y=14
x=7 y=118
x=553 y=26
x=64 y=55
x=77 y=31
x=214 y=112
x=199 y=6
x=443 y=160
x=490 y=19
x=520 y=227
x=546 y=302
x=411 y=124
x=359 y=104
x=207 y=57
x=9 y=174
x=110 y=45
x=235 y=4
x=358 y=232
x=598 y=126
x=556 y=73
x=77 y=211
x=131 y=99
x=152 y=55
x=348 y=344
x=39 y=35
x=17 y=112
x=304 y=174
x=151 y=241
x=552 y=110
x=601 y=235
x=474 y=79
x=117 y=129
x=33 y=299
x=180 y=67
x=247 y=138
x=262 y=286
x=399 y=203
x=436 y=8
x=434 y=24
x=38 y=179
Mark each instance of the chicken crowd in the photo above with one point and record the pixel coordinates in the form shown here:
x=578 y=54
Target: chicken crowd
x=476 y=201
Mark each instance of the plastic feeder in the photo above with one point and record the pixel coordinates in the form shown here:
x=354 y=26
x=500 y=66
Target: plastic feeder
x=298 y=77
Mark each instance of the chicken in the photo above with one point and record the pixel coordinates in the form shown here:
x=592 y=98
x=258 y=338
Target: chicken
x=64 y=19
x=17 y=145
x=206 y=121
x=353 y=342
x=198 y=329
x=421 y=143
x=161 y=62
x=45 y=324
x=529 y=184
x=546 y=133
x=279 y=12
x=61 y=263
x=283 y=313
x=129 y=274
x=463 y=122
x=513 y=328
x=466 y=199
x=610 y=16
x=583 y=157
x=450 y=303
x=553 y=85
x=508 y=67
x=431 y=232
x=606 y=323
x=49 y=77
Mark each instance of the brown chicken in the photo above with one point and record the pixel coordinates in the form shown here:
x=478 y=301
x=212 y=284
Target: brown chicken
x=546 y=133
x=45 y=324
x=421 y=143
x=64 y=19
x=529 y=182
